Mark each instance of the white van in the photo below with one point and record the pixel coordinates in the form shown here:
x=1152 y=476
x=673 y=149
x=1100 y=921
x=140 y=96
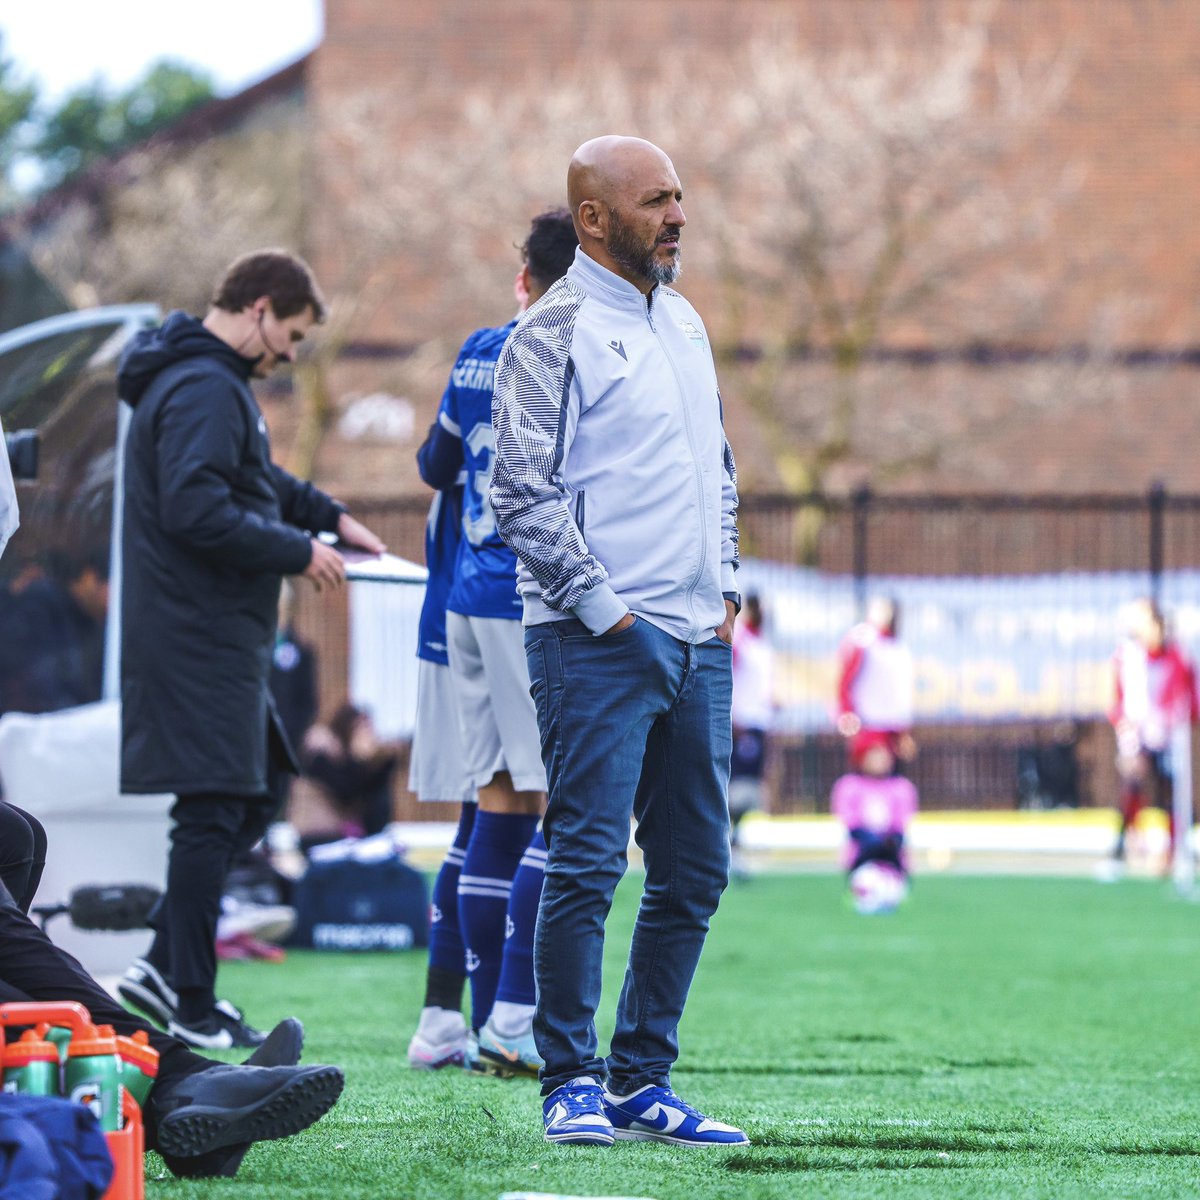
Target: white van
x=59 y=603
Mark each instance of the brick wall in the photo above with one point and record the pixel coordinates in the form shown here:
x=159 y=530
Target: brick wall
x=1129 y=126
x=1130 y=118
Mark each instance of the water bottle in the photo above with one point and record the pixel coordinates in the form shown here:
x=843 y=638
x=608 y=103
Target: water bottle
x=92 y=1074
x=60 y=1035
x=139 y=1065
x=31 y=1066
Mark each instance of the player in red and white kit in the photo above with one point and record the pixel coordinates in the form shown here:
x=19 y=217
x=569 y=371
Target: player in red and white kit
x=875 y=685
x=1154 y=692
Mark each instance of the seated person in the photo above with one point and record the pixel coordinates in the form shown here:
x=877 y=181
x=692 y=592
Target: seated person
x=875 y=805
x=355 y=769
x=201 y=1116
x=52 y=655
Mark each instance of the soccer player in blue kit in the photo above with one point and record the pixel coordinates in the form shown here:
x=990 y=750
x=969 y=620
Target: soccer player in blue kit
x=501 y=859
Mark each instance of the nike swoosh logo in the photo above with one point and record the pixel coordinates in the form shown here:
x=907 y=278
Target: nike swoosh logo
x=511 y=1055
x=662 y=1119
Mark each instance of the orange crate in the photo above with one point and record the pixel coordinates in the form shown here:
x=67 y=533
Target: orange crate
x=127 y=1147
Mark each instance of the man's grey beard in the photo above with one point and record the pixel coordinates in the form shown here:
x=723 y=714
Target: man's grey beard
x=637 y=258
x=666 y=272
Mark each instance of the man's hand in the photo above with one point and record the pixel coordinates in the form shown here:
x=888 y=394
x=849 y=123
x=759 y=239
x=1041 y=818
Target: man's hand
x=326 y=568
x=725 y=629
x=355 y=533
x=624 y=623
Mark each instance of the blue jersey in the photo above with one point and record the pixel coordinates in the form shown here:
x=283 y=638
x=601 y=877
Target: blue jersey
x=485 y=580
x=439 y=461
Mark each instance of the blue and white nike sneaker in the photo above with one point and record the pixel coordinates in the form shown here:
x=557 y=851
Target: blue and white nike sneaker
x=574 y=1114
x=656 y=1114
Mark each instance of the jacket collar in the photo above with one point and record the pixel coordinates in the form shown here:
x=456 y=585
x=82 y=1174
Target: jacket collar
x=600 y=283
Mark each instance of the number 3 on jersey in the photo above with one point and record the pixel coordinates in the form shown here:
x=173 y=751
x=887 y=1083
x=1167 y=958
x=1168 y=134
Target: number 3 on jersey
x=479 y=521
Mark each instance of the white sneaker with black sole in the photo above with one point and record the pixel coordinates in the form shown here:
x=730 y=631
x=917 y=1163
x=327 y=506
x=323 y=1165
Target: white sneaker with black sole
x=146 y=990
x=440 y=1040
x=224 y=1028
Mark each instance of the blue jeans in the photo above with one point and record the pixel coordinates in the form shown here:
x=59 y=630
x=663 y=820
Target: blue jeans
x=633 y=723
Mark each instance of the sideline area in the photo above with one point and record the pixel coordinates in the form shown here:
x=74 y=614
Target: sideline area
x=1054 y=842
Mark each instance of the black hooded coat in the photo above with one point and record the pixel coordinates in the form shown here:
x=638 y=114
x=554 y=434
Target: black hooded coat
x=210 y=527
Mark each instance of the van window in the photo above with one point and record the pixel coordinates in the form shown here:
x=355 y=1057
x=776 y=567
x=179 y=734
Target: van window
x=35 y=377
x=54 y=592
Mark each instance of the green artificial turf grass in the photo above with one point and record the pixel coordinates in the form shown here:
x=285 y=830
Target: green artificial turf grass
x=998 y=1037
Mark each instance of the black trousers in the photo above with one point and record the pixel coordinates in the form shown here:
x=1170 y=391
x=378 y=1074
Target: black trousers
x=209 y=830
x=22 y=854
x=32 y=967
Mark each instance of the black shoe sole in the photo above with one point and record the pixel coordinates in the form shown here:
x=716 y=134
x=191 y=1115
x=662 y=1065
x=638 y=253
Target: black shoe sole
x=198 y=1129
x=282 y=1048
x=217 y=1164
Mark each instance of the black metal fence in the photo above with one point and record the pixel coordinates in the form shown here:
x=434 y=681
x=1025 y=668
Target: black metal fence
x=870 y=534
x=1025 y=594
x=1012 y=603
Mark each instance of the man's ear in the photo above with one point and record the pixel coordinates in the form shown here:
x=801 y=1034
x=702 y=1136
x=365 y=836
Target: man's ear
x=521 y=288
x=593 y=218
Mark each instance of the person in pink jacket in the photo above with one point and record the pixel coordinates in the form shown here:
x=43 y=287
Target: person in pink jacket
x=876 y=807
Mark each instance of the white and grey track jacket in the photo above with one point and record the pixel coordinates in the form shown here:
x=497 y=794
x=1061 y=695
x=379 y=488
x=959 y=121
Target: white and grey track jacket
x=613 y=481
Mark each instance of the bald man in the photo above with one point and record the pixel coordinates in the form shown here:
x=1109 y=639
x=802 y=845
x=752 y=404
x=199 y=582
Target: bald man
x=615 y=486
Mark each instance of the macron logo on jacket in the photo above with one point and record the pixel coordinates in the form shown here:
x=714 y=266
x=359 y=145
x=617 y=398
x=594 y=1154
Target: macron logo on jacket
x=614 y=484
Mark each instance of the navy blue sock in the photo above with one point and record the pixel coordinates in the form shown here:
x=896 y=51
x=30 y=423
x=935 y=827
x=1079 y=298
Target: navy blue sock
x=516 y=972
x=497 y=844
x=447 y=954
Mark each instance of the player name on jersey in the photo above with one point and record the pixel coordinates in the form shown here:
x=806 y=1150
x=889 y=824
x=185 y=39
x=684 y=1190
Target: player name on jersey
x=477 y=373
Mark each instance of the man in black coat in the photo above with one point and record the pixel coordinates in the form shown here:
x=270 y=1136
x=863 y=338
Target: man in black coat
x=211 y=525
x=200 y=1116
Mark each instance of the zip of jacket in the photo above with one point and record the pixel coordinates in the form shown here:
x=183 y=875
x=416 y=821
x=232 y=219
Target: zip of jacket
x=605 y=395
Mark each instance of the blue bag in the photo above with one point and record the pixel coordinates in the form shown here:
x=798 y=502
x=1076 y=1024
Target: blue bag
x=361 y=895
